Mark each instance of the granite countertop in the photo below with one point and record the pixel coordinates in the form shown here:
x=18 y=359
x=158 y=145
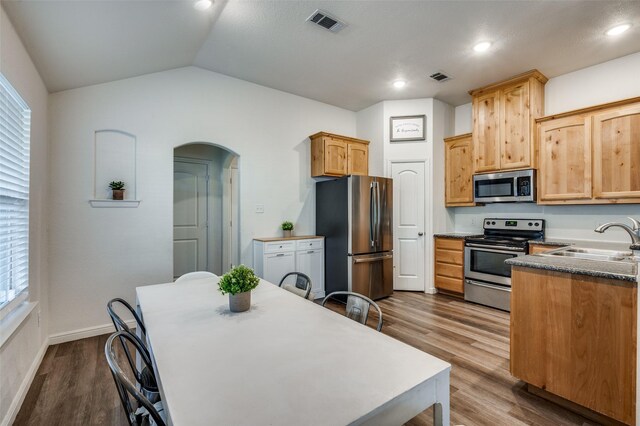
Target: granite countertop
x=624 y=270
x=457 y=235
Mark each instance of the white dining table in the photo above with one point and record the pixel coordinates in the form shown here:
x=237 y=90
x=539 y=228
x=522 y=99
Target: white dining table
x=286 y=361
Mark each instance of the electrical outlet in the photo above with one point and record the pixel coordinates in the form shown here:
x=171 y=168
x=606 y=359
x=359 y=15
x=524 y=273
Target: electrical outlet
x=259 y=208
x=474 y=221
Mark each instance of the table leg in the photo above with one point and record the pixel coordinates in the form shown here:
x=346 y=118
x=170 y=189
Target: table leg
x=437 y=414
x=441 y=413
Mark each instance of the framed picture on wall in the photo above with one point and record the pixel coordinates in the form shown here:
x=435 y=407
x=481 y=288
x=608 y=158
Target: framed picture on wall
x=407 y=128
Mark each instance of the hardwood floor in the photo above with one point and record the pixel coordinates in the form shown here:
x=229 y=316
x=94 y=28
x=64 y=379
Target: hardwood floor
x=73 y=386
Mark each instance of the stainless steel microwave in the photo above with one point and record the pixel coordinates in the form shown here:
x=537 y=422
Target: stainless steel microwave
x=508 y=187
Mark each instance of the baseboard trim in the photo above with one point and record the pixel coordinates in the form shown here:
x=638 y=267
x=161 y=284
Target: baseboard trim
x=10 y=417
x=431 y=290
x=83 y=333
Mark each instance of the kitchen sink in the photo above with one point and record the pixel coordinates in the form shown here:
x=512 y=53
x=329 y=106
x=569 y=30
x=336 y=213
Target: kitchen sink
x=593 y=254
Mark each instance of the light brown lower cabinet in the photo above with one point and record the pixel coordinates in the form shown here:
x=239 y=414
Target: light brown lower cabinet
x=448 y=265
x=574 y=336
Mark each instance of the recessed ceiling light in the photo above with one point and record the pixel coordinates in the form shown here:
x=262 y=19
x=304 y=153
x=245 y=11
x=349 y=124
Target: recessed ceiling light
x=399 y=84
x=482 y=46
x=618 y=29
x=202 y=4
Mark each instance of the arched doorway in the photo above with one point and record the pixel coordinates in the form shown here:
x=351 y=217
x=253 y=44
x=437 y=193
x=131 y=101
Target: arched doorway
x=205 y=209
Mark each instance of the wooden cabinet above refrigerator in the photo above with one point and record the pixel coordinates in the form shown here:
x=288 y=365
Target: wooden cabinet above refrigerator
x=335 y=155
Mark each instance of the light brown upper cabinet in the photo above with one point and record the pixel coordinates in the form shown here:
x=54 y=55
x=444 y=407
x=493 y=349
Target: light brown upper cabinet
x=458 y=169
x=486 y=135
x=616 y=153
x=590 y=156
x=335 y=155
x=565 y=159
x=357 y=159
x=503 y=122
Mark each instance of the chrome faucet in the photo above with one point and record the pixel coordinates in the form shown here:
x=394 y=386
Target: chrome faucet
x=634 y=231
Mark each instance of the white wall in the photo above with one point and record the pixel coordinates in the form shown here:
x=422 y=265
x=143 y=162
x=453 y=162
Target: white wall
x=98 y=254
x=602 y=83
x=373 y=124
x=20 y=355
x=607 y=82
x=370 y=126
x=463 y=122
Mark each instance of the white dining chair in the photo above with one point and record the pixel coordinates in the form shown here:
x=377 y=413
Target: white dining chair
x=198 y=275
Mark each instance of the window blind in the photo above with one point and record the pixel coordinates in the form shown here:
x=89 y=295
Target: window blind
x=15 y=125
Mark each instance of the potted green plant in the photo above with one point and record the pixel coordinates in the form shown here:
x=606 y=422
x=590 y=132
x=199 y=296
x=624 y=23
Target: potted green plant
x=287 y=229
x=238 y=283
x=117 y=189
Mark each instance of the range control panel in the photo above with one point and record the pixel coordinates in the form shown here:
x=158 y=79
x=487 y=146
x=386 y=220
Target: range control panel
x=514 y=224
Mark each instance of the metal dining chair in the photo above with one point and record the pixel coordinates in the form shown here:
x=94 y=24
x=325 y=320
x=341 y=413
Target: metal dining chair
x=139 y=409
x=198 y=275
x=145 y=376
x=302 y=285
x=358 y=306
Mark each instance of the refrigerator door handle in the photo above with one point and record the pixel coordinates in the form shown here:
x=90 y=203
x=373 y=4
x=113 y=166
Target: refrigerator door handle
x=378 y=208
x=372 y=236
x=373 y=259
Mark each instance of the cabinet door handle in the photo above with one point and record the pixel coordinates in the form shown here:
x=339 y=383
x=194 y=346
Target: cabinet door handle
x=280 y=254
x=310 y=252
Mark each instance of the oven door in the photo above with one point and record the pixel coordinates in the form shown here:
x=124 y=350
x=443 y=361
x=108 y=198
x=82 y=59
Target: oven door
x=486 y=263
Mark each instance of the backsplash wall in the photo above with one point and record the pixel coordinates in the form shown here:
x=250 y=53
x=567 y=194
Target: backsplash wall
x=571 y=222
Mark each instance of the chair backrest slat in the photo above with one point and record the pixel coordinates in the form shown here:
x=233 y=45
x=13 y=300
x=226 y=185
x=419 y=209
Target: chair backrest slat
x=121 y=325
x=197 y=275
x=126 y=389
x=358 y=306
x=302 y=285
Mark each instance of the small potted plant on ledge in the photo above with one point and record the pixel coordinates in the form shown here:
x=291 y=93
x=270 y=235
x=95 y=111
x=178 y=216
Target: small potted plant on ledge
x=238 y=283
x=287 y=229
x=117 y=189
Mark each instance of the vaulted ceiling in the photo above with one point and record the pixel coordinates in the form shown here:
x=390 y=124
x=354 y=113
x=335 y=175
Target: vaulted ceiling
x=83 y=42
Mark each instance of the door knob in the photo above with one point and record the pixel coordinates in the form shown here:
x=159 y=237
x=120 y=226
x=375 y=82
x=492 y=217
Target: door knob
x=420 y=234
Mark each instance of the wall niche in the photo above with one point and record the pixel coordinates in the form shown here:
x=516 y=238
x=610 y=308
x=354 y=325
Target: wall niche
x=114 y=159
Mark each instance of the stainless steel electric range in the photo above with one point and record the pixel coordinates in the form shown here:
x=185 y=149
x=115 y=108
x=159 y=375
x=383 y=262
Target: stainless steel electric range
x=487 y=277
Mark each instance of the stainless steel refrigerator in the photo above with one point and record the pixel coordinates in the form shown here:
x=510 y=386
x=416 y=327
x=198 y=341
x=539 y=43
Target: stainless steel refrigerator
x=355 y=215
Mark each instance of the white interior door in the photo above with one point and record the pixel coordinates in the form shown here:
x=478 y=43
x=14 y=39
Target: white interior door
x=190 y=212
x=408 y=225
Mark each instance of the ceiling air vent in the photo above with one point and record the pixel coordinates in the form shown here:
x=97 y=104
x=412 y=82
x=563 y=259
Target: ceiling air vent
x=440 y=77
x=326 y=21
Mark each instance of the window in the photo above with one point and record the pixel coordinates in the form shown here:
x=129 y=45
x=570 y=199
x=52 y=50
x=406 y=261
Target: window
x=15 y=124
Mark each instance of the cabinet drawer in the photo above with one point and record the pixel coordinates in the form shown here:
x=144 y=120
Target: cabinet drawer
x=450 y=244
x=453 y=271
x=449 y=256
x=279 y=246
x=449 y=284
x=310 y=244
